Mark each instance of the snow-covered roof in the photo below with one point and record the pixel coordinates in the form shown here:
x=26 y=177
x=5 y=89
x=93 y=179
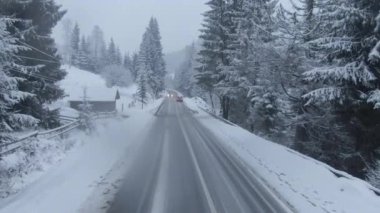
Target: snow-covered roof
x=76 y=80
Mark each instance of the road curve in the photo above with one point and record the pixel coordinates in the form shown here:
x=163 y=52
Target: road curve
x=182 y=168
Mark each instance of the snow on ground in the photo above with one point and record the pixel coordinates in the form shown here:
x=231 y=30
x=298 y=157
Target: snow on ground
x=75 y=82
x=202 y=104
x=19 y=169
x=69 y=174
x=89 y=172
x=306 y=184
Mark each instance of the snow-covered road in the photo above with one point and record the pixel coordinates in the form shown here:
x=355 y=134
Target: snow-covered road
x=182 y=167
x=185 y=160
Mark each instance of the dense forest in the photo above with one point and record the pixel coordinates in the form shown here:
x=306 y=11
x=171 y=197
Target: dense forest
x=31 y=63
x=306 y=77
x=146 y=67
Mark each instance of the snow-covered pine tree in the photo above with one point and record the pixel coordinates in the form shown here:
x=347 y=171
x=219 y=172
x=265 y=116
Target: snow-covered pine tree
x=118 y=56
x=10 y=95
x=97 y=48
x=348 y=80
x=144 y=60
x=42 y=52
x=83 y=58
x=255 y=61
x=142 y=90
x=75 y=45
x=134 y=65
x=185 y=73
x=127 y=63
x=111 y=53
x=151 y=58
x=214 y=62
x=184 y=79
x=131 y=64
x=294 y=30
x=157 y=80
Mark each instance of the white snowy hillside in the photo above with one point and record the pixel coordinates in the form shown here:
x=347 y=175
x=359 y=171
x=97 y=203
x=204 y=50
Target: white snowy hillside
x=96 y=89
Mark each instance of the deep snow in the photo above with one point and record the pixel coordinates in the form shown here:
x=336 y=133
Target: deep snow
x=67 y=186
x=306 y=184
x=81 y=173
x=75 y=82
x=78 y=173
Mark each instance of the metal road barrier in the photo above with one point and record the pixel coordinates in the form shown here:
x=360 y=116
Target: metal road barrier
x=11 y=147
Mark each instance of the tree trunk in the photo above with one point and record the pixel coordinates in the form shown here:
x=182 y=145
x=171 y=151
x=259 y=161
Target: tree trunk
x=212 y=102
x=225 y=107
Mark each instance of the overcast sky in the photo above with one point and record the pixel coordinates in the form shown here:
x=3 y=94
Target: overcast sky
x=126 y=20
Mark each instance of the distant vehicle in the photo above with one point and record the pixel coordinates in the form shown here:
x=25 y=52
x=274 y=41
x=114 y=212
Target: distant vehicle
x=179 y=99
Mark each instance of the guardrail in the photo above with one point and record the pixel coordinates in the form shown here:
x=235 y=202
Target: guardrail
x=11 y=147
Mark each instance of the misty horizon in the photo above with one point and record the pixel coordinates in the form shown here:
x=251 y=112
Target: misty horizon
x=126 y=22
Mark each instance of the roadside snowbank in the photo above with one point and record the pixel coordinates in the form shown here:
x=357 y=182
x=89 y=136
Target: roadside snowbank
x=64 y=175
x=78 y=178
x=23 y=167
x=306 y=184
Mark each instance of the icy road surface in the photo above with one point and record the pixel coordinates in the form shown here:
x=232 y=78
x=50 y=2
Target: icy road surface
x=182 y=167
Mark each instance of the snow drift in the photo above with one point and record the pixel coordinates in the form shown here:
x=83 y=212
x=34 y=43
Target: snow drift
x=307 y=185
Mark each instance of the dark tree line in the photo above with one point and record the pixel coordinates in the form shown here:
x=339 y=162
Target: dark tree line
x=307 y=78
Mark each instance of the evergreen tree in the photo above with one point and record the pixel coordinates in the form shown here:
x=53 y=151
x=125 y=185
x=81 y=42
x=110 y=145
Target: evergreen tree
x=216 y=73
x=157 y=57
x=118 y=56
x=213 y=45
x=75 y=45
x=10 y=95
x=44 y=15
x=111 y=53
x=286 y=77
x=233 y=37
x=151 y=58
x=131 y=64
x=184 y=78
x=98 y=50
x=348 y=80
x=142 y=95
x=83 y=59
x=134 y=66
x=308 y=132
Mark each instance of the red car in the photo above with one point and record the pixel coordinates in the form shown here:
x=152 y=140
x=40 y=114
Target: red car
x=179 y=99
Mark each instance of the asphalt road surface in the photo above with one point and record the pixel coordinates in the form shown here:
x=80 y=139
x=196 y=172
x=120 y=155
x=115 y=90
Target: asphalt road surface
x=182 y=168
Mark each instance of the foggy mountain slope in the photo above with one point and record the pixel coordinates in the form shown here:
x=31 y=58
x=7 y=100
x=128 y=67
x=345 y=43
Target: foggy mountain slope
x=174 y=59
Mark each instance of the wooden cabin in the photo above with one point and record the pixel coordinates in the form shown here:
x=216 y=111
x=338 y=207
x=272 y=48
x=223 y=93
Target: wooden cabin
x=100 y=101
